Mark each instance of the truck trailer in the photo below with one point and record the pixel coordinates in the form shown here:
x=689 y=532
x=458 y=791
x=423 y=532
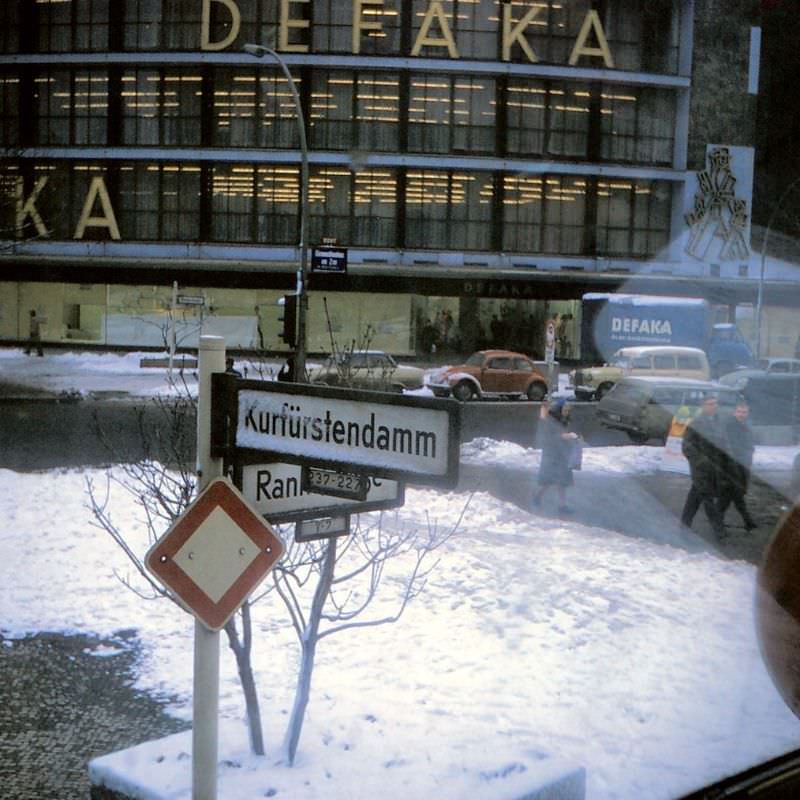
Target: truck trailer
x=612 y=321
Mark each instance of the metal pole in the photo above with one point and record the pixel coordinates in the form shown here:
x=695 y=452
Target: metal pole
x=259 y=51
x=760 y=300
x=205 y=698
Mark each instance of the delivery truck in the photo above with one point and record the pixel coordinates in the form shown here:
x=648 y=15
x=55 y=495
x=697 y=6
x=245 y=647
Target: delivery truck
x=612 y=321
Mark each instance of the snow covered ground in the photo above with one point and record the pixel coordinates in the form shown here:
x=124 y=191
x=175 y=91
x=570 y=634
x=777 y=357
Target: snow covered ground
x=535 y=636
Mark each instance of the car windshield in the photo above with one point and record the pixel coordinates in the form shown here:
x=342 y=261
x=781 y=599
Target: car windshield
x=475 y=360
x=476 y=267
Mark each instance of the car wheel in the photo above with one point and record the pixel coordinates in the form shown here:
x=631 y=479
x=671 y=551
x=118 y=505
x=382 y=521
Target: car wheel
x=637 y=437
x=463 y=391
x=537 y=391
x=602 y=389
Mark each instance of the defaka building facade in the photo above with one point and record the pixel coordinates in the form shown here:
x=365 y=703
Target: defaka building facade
x=476 y=160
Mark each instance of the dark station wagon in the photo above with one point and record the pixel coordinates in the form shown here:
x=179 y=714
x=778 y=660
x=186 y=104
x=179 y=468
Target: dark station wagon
x=644 y=407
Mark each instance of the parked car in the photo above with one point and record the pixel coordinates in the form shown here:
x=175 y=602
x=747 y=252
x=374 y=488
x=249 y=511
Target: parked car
x=490 y=373
x=644 y=406
x=739 y=378
x=657 y=360
x=774 y=398
x=367 y=369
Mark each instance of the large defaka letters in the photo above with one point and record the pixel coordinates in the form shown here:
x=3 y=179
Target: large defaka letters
x=97 y=192
x=435 y=30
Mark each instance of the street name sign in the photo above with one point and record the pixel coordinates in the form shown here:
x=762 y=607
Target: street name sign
x=411 y=439
x=309 y=530
x=276 y=491
x=329 y=259
x=215 y=554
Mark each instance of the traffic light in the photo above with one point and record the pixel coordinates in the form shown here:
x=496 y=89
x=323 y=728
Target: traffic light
x=289 y=319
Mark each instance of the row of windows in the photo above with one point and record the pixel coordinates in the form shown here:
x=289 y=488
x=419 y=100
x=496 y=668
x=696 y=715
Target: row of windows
x=642 y=34
x=413 y=208
x=345 y=110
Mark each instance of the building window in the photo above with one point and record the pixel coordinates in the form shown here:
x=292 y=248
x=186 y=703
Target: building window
x=522 y=213
x=329 y=204
x=90 y=107
x=632 y=217
x=91 y=29
x=68 y=25
x=555 y=119
x=333 y=31
x=181 y=25
x=448 y=210
x=161 y=108
x=10 y=26
x=644 y=35
x=638 y=125
x=254 y=108
x=53 y=95
x=142 y=24
x=278 y=204
x=233 y=203
x=159 y=202
x=70 y=107
x=564 y=214
x=355 y=111
x=374 y=208
x=9 y=108
x=451 y=114
x=548 y=118
x=544 y=214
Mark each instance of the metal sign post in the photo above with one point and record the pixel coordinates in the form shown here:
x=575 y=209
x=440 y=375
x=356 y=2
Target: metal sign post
x=205 y=698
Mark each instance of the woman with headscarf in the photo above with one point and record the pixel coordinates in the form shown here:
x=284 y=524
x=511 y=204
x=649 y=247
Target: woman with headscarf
x=557 y=444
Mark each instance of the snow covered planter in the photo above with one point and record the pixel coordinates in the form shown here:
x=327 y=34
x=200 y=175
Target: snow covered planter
x=161 y=770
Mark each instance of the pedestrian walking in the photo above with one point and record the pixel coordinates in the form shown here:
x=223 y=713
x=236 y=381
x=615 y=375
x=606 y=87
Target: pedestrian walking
x=703 y=445
x=737 y=462
x=34 y=334
x=557 y=444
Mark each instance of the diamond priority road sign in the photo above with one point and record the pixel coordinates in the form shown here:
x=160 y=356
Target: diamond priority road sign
x=405 y=438
x=215 y=554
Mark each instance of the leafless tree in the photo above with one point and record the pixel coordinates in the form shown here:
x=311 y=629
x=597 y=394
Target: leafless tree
x=328 y=588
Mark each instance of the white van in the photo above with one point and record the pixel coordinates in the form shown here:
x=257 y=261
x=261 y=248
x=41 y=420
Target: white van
x=655 y=360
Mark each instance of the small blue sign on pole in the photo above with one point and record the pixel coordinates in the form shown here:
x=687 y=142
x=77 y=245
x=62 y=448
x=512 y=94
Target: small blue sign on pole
x=329 y=259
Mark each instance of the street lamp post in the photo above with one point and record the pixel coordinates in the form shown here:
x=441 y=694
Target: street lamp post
x=299 y=372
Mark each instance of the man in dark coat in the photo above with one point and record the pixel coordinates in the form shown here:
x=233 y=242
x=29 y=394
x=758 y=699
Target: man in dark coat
x=703 y=446
x=737 y=462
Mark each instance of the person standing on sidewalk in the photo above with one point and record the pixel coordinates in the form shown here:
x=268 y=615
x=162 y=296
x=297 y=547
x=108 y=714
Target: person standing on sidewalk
x=556 y=443
x=703 y=445
x=34 y=335
x=737 y=462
